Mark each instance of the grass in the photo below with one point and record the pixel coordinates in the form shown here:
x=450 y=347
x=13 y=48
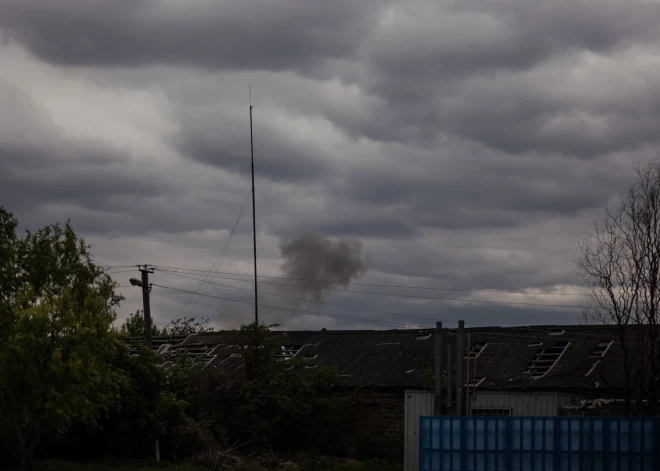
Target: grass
x=150 y=465
x=114 y=465
x=371 y=465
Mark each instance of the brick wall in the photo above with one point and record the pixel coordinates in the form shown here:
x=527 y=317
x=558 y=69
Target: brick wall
x=379 y=425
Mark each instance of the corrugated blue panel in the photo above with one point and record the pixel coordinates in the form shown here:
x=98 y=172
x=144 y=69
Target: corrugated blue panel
x=539 y=444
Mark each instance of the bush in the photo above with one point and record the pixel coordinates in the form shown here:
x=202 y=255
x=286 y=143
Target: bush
x=276 y=405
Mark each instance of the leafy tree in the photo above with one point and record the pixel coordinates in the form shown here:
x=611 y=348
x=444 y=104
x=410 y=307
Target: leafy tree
x=285 y=405
x=187 y=325
x=134 y=326
x=142 y=412
x=269 y=402
x=56 y=343
x=620 y=263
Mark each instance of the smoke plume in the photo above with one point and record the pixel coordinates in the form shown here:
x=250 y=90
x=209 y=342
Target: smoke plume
x=315 y=262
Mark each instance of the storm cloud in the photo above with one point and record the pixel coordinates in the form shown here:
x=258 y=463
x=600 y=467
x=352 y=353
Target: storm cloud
x=465 y=144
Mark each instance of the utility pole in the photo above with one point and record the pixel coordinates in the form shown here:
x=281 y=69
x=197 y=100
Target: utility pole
x=146 y=288
x=460 y=377
x=254 y=221
x=146 y=310
x=438 y=368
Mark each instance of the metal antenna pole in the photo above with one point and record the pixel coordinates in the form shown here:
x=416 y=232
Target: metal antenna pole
x=254 y=221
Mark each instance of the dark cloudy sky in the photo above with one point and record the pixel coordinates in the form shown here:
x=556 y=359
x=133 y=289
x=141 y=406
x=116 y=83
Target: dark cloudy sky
x=466 y=144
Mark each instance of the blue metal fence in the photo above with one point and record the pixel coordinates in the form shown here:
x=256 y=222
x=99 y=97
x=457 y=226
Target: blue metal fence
x=539 y=444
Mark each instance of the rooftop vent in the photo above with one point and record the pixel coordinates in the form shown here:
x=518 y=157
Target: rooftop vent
x=476 y=350
x=600 y=349
x=545 y=359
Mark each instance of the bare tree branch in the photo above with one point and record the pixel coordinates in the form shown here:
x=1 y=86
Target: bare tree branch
x=620 y=264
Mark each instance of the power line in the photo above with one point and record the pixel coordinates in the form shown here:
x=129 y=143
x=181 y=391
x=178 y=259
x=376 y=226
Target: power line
x=527 y=329
x=300 y=311
x=221 y=257
x=561 y=306
x=317 y=302
x=351 y=318
x=118 y=272
x=539 y=293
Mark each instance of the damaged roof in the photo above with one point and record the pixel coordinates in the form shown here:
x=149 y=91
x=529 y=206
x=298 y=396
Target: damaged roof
x=535 y=357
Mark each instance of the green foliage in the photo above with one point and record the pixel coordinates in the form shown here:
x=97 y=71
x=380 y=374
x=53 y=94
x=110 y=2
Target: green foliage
x=57 y=348
x=277 y=404
x=186 y=325
x=142 y=411
x=67 y=376
x=261 y=353
x=286 y=406
x=134 y=326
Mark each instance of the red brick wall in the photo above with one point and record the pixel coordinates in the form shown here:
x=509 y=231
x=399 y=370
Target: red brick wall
x=379 y=425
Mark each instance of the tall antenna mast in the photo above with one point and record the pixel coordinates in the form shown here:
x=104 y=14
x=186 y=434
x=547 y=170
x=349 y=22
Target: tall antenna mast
x=254 y=218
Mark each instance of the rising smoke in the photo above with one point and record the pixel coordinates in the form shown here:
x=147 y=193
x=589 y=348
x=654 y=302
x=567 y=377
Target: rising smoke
x=322 y=262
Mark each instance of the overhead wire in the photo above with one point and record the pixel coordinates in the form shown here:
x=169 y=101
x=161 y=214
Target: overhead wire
x=281 y=308
x=118 y=272
x=220 y=257
x=380 y=285
x=352 y=318
x=526 y=329
x=313 y=301
x=400 y=295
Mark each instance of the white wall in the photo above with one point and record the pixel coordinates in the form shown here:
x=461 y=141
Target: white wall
x=417 y=403
x=521 y=403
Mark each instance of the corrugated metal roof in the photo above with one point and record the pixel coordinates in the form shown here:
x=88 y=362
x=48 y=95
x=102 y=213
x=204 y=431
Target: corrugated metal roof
x=399 y=358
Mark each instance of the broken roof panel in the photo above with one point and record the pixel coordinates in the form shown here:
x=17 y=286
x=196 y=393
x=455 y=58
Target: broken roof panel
x=400 y=358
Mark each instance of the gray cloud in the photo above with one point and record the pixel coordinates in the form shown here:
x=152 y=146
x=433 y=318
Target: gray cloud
x=223 y=141
x=274 y=35
x=464 y=143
